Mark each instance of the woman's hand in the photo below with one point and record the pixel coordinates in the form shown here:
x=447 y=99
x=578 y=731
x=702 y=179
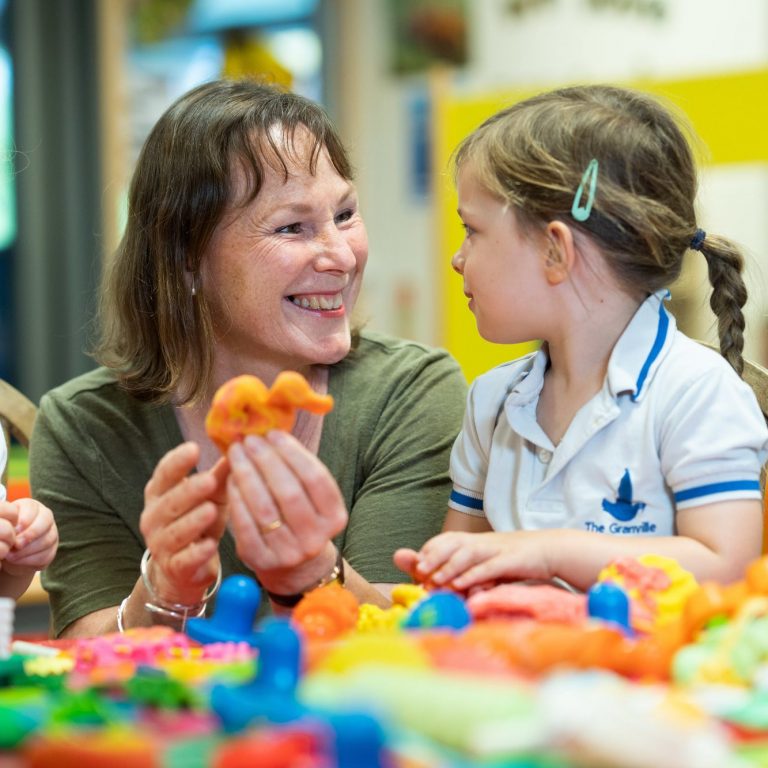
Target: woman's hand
x=36 y=538
x=284 y=507
x=462 y=561
x=182 y=523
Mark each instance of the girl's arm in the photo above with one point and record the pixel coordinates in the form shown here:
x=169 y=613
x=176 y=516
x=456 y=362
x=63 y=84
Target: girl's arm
x=715 y=542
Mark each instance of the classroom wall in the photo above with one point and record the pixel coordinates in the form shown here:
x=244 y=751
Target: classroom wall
x=518 y=44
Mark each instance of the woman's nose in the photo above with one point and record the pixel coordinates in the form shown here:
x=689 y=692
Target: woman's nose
x=457 y=262
x=336 y=253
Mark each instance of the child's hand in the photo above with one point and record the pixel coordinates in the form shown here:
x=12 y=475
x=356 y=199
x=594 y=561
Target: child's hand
x=9 y=516
x=462 y=561
x=36 y=538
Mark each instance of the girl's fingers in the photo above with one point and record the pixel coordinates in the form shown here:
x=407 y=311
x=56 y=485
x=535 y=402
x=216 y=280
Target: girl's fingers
x=461 y=559
x=438 y=551
x=405 y=560
x=38 y=521
x=9 y=513
x=487 y=571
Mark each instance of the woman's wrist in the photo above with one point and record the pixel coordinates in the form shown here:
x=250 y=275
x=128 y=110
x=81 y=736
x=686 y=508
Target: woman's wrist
x=334 y=576
x=325 y=567
x=159 y=609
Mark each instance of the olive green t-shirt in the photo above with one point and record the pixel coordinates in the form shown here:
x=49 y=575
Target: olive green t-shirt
x=398 y=409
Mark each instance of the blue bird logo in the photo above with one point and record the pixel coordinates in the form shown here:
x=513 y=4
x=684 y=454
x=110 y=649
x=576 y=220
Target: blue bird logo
x=623 y=508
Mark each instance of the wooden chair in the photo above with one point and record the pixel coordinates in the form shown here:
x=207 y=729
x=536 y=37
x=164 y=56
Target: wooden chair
x=17 y=417
x=757 y=377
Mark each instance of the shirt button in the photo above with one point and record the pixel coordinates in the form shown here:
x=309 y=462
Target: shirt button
x=545 y=456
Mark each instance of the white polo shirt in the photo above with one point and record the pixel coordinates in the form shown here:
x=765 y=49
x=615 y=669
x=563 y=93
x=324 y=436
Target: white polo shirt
x=672 y=427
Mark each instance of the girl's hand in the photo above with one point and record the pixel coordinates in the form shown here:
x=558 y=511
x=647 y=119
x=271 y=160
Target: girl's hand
x=285 y=507
x=183 y=520
x=462 y=561
x=36 y=539
x=9 y=516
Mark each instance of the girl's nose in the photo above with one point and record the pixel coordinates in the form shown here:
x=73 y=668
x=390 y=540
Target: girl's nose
x=457 y=262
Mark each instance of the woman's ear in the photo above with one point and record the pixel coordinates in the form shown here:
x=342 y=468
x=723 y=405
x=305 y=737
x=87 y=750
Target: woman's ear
x=559 y=253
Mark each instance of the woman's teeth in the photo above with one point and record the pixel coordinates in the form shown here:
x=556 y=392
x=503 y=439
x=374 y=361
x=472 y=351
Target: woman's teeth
x=317 y=302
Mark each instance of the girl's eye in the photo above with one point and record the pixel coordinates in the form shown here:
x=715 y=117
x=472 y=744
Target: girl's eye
x=467 y=229
x=344 y=216
x=289 y=229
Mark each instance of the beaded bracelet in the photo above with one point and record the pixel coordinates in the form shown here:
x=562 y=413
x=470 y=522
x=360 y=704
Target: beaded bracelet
x=336 y=575
x=173 y=614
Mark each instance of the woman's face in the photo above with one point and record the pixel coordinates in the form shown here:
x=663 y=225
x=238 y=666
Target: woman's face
x=283 y=273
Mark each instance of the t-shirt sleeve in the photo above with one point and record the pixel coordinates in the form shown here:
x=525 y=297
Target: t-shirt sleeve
x=471 y=452
x=469 y=457
x=66 y=472
x=403 y=497
x=714 y=441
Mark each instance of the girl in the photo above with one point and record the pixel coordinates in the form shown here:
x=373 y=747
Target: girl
x=620 y=436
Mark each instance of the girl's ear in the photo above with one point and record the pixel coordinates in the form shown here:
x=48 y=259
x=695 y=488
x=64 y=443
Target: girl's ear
x=559 y=253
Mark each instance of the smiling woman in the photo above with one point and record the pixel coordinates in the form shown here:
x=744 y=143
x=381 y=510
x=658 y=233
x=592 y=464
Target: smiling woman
x=243 y=254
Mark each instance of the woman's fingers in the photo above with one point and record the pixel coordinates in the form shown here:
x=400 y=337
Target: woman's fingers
x=195 y=563
x=186 y=529
x=171 y=470
x=284 y=505
x=317 y=482
x=253 y=491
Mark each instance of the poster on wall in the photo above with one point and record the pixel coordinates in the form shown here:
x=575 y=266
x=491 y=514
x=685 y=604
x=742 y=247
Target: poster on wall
x=427 y=32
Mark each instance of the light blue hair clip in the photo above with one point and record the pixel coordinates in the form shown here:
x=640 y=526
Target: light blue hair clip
x=578 y=211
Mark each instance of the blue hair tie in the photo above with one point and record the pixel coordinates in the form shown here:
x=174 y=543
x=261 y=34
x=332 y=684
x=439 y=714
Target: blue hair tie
x=578 y=211
x=698 y=240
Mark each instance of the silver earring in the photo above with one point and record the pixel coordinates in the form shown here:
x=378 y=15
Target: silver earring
x=194 y=288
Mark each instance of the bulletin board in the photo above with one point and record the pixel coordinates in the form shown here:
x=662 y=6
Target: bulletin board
x=729 y=113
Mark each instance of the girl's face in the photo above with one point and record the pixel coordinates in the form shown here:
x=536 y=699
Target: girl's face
x=502 y=266
x=283 y=273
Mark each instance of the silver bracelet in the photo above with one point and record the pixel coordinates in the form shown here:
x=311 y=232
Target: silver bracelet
x=174 y=614
x=120 y=612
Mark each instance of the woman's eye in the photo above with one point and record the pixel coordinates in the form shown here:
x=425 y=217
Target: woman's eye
x=289 y=229
x=467 y=229
x=344 y=216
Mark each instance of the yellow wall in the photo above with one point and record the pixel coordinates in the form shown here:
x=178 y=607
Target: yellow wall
x=728 y=112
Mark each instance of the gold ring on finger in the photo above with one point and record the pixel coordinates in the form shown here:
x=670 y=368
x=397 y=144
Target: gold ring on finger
x=269 y=527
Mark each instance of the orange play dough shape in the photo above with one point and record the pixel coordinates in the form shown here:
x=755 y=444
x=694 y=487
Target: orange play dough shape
x=245 y=406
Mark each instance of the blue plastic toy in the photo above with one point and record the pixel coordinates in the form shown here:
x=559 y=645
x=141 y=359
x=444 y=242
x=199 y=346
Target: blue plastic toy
x=236 y=607
x=271 y=695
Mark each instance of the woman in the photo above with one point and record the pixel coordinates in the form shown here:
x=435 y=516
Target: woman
x=244 y=253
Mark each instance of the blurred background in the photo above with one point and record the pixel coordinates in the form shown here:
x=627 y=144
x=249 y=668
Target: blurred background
x=82 y=82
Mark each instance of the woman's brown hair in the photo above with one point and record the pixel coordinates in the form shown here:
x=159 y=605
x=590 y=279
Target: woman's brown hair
x=155 y=334
x=534 y=154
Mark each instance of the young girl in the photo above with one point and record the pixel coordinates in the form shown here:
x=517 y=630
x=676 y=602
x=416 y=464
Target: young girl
x=621 y=436
x=28 y=539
